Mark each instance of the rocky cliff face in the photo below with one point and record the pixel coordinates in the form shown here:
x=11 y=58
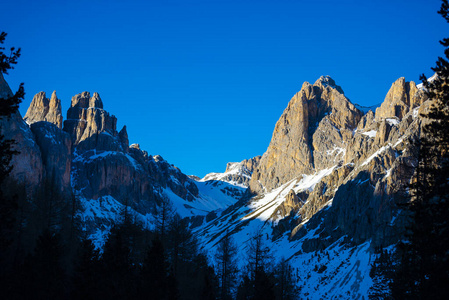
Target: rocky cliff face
x=56 y=152
x=91 y=159
x=401 y=98
x=44 y=109
x=310 y=135
x=44 y=149
x=105 y=164
x=91 y=127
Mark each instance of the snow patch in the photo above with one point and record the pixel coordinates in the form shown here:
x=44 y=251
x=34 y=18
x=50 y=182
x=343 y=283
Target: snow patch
x=392 y=121
x=371 y=133
x=263 y=208
x=431 y=79
x=378 y=152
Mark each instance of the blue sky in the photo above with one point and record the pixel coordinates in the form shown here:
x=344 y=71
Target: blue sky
x=203 y=83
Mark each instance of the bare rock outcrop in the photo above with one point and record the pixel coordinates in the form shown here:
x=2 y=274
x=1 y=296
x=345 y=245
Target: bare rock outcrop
x=248 y=164
x=91 y=127
x=315 y=126
x=168 y=175
x=113 y=173
x=401 y=98
x=44 y=109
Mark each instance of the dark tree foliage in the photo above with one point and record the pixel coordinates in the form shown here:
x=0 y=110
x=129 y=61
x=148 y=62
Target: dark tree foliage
x=86 y=272
x=155 y=273
x=182 y=246
x=8 y=204
x=285 y=281
x=226 y=265
x=119 y=274
x=245 y=290
x=9 y=105
x=258 y=282
x=190 y=267
x=42 y=276
x=423 y=271
x=263 y=285
x=164 y=215
x=259 y=255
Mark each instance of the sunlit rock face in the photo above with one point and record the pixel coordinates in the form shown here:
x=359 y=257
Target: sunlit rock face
x=91 y=127
x=401 y=98
x=316 y=124
x=44 y=109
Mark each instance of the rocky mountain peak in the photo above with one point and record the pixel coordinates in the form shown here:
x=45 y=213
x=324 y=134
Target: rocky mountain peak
x=402 y=97
x=317 y=119
x=44 y=109
x=88 y=123
x=325 y=81
x=95 y=101
x=135 y=146
x=80 y=100
x=248 y=164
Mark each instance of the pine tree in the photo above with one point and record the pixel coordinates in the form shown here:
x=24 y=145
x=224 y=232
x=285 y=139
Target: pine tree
x=263 y=285
x=43 y=276
x=117 y=279
x=87 y=269
x=9 y=105
x=226 y=265
x=245 y=289
x=182 y=246
x=164 y=215
x=423 y=271
x=285 y=281
x=155 y=273
x=258 y=282
x=259 y=255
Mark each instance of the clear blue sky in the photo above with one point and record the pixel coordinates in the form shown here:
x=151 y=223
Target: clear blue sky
x=204 y=82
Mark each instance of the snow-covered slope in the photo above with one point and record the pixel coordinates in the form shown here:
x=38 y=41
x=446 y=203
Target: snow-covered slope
x=237 y=173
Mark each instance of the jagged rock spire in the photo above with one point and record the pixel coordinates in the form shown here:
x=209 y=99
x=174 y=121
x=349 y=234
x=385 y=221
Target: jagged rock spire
x=44 y=109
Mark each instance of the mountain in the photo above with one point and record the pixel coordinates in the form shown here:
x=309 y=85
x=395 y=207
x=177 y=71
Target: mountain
x=88 y=158
x=325 y=195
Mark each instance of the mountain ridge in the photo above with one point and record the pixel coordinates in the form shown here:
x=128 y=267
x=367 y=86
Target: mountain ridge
x=330 y=180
